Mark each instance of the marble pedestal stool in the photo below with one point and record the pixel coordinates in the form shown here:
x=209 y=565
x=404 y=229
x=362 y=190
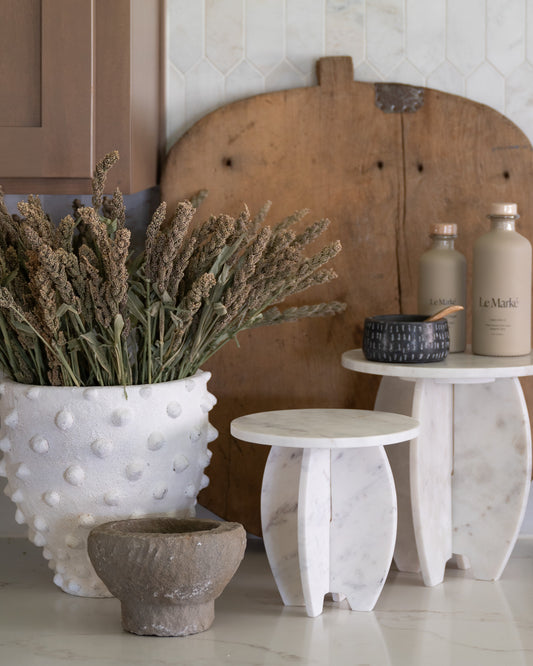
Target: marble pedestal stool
x=328 y=503
x=463 y=483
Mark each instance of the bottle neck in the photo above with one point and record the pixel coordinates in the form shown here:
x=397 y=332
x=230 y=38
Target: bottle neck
x=442 y=242
x=502 y=223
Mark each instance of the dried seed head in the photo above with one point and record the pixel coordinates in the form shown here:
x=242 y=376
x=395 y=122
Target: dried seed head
x=100 y=175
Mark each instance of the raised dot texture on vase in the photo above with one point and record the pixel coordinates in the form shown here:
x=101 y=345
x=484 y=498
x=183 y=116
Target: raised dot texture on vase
x=22 y=471
x=33 y=393
x=91 y=394
x=203 y=460
x=39 y=539
x=102 y=447
x=160 y=491
x=180 y=463
x=40 y=524
x=195 y=434
x=189 y=385
x=205 y=407
x=64 y=419
x=146 y=392
x=47 y=554
x=19 y=517
x=212 y=433
x=86 y=520
x=5 y=445
x=134 y=470
x=39 y=444
x=17 y=496
x=60 y=568
x=74 y=475
x=121 y=416
x=52 y=498
x=112 y=499
x=11 y=419
x=204 y=481
x=155 y=441
x=73 y=541
x=137 y=513
x=173 y=409
x=190 y=490
x=73 y=586
x=58 y=580
x=2 y=467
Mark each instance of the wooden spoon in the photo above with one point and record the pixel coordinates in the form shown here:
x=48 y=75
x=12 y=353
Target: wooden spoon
x=445 y=312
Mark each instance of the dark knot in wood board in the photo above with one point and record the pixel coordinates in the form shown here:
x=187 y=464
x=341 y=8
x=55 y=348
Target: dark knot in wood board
x=398 y=98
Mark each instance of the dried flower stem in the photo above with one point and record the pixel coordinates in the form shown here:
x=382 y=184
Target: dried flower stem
x=77 y=309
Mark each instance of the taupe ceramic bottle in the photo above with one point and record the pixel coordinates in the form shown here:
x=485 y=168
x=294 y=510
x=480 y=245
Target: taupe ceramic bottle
x=501 y=288
x=442 y=281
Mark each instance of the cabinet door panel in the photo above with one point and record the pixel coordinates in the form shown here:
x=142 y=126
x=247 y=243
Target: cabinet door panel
x=52 y=86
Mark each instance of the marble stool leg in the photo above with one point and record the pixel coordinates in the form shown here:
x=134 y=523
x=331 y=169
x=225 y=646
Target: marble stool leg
x=279 y=520
x=396 y=395
x=363 y=524
x=423 y=475
x=329 y=524
x=431 y=456
x=492 y=472
x=314 y=515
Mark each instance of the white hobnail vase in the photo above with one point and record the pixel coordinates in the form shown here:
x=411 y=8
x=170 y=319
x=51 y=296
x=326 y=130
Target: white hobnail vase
x=78 y=457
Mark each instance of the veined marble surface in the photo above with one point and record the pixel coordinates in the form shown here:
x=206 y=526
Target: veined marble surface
x=324 y=428
x=491 y=480
x=465 y=622
x=454 y=366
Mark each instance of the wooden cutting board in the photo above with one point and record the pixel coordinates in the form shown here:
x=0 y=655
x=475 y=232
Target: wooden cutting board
x=382 y=162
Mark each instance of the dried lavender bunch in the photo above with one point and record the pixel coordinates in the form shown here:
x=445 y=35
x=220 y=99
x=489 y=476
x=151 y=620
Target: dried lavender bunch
x=76 y=308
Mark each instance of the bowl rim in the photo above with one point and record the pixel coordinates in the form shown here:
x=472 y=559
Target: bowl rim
x=133 y=527
x=404 y=319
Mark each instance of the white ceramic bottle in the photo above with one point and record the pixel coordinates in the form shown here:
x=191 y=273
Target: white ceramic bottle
x=442 y=281
x=501 y=288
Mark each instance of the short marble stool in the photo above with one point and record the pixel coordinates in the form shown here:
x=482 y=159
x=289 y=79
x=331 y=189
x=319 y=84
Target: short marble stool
x=328 y=502
x=463 y=483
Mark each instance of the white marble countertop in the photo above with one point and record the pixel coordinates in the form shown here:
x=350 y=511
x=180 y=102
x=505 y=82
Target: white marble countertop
x=324 y=428
x=460 y=622
x=454 y=366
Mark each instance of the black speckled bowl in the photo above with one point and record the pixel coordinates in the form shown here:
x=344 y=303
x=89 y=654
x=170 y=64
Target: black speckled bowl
x=405 y=339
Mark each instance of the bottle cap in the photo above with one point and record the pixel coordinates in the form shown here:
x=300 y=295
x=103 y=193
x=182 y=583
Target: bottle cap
x=443 y=229
x=503 y=209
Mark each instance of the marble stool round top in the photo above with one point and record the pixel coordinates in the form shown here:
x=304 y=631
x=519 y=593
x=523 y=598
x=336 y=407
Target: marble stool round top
x=324 y=428
x=464 y=365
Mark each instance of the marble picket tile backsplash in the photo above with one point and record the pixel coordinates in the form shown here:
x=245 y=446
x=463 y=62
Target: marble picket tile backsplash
x=219 y=51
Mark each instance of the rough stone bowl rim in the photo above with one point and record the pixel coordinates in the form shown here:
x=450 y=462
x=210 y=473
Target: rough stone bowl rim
x=118 y=528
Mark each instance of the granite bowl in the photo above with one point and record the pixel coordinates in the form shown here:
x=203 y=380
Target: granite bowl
x=166 y=572
x=405 y=339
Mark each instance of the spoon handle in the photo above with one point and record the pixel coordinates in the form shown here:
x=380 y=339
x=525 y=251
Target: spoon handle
x=445 y=312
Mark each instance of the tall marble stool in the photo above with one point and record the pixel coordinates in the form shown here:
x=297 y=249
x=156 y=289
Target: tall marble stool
x=328 y=502
x=463 y=483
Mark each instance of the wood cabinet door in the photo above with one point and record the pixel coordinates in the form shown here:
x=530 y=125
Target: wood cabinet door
x=78 y=79
x=45 y=89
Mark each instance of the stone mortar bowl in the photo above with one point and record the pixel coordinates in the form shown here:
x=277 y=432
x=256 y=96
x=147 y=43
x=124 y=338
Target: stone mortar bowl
x=405 y=339
x=166 y=572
